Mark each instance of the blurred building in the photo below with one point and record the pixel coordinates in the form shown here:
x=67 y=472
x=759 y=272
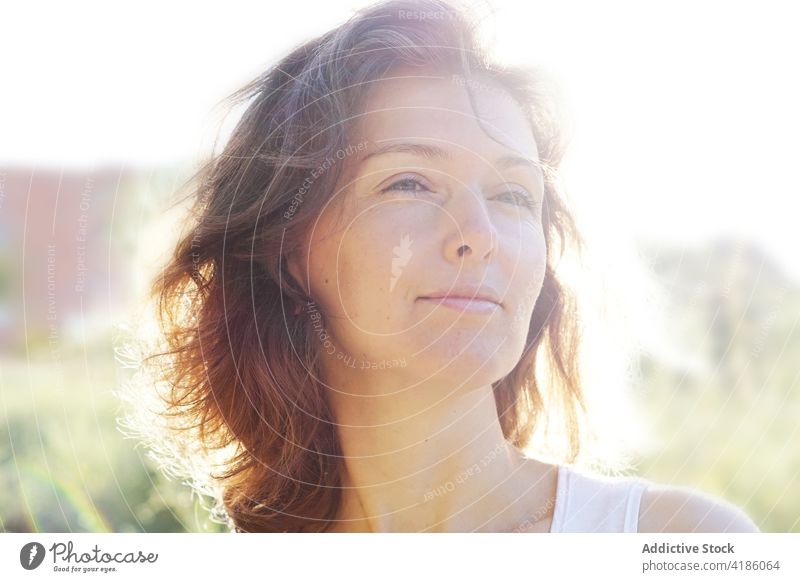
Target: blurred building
x=62 y=261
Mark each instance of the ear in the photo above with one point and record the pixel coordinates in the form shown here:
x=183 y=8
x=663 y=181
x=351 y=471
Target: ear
x=295 y=266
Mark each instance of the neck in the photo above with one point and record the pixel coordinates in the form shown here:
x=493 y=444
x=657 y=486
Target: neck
x=428 y=464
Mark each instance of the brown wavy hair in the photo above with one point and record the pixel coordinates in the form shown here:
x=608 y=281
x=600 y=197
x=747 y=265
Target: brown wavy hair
x=239 y=365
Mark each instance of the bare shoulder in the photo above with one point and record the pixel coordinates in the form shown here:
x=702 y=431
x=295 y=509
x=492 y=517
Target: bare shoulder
x=675 y=509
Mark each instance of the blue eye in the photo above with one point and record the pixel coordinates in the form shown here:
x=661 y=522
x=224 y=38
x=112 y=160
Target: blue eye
x=412 y=182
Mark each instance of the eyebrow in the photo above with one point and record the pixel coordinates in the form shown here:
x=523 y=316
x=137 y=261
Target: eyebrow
x=437 y=153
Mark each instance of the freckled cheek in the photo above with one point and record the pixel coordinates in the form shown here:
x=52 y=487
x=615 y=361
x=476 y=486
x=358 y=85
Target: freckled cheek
x=361 y=272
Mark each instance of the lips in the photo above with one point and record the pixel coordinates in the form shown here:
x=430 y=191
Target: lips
x=464 y=294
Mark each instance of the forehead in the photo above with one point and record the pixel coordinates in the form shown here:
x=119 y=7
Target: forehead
x=424 y=103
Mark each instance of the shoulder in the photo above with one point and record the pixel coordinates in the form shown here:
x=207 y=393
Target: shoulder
x=672 y=509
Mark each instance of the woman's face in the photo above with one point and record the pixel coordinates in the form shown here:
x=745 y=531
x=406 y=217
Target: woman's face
x=432 y=207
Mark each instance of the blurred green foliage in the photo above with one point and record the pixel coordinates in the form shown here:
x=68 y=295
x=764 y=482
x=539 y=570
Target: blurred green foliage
x=729 y=426
x=64 y=465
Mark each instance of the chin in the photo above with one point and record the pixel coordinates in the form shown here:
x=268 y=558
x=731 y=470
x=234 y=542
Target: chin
x=477 y=363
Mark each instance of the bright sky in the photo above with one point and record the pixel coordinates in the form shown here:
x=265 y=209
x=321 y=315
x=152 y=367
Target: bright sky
x=686 y=116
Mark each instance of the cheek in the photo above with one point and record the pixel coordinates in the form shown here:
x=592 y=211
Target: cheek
x=527 y=276
x=523 y=241
x=357 y=270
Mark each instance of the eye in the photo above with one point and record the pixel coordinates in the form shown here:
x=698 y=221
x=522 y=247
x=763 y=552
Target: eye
x=521 y=197
x=407 y=184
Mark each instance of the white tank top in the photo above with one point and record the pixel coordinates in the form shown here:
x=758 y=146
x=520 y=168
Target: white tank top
x=586 y=502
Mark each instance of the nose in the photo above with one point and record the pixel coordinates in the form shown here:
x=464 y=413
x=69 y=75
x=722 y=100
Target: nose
x=471 y=235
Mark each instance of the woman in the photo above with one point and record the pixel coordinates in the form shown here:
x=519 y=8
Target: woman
x=365 y=324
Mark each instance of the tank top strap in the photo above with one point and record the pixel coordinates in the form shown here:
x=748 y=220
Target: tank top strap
x=588 y=502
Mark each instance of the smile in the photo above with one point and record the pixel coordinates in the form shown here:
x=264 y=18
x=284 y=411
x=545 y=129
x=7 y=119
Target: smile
x=463 y=304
